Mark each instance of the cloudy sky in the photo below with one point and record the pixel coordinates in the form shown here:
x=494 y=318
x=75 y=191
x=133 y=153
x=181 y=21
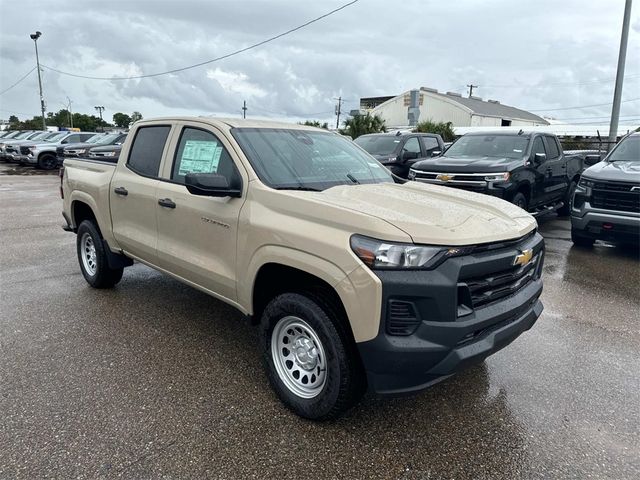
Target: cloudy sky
x=542 y=55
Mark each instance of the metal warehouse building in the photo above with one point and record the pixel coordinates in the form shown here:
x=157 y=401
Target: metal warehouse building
x=428 y=104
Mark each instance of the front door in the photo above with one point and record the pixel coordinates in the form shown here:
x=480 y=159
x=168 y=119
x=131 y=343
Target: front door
x=543 y=184
x=197 y=235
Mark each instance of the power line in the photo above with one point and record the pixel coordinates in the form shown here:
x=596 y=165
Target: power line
x=21 y=79
x=599 y=116
x=242 y=50
x=579 y=106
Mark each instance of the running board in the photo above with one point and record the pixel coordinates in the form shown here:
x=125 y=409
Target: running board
x=549 y=209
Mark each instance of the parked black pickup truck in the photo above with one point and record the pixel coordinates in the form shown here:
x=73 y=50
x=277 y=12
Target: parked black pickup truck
x=527 y=169
x=398 y=151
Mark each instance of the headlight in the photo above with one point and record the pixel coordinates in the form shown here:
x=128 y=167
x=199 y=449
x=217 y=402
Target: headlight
x=498 y=177
x=586 y=183
x=110 y=154
x=377 y=254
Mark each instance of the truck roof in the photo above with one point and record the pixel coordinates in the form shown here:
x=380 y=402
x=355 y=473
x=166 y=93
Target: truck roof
x=227 y=123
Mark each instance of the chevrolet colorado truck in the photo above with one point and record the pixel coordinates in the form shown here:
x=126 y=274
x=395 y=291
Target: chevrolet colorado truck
x=42 y=154
x=527 y=169
x=355 y=281
x=606 y=205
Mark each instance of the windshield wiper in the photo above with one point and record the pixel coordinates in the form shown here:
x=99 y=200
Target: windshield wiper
x=353 y=179
x=300 y=188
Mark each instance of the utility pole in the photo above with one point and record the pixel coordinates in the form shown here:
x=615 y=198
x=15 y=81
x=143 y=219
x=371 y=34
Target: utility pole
x=100 y=109
x=70 y=113
x=617 y=94
x=471 y=87
x=34 y=37
x=244 y=109
x=338 y=111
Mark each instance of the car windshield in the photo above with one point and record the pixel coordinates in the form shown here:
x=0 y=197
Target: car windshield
x=107 y=139
x=307 y=159
x=496 y=146
x=96 y=139
x=378 y=144
x=22 y=135
x=58 y=136
x=628 y=150
x=40 y=136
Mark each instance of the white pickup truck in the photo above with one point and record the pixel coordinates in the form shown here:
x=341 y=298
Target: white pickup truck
x=355 y=281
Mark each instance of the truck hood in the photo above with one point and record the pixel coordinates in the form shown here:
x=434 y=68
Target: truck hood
x=466 y=164
x=614 y=171
x=431 y=214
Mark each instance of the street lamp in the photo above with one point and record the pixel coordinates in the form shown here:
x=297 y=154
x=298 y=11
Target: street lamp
x=100 y=108
x=35 y=37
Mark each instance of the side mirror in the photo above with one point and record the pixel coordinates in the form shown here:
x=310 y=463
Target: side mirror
x=409 y=155
x=435 y=153
x=210 y=185
x=592 y=159
x=539 y=158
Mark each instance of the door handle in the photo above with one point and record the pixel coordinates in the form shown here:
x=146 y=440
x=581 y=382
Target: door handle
x=121 y=191
x=166 y=202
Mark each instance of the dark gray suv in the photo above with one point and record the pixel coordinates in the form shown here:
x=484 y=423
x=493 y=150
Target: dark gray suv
x=606 y=204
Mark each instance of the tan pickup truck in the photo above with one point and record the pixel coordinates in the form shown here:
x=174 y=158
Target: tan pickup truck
x=356 y=281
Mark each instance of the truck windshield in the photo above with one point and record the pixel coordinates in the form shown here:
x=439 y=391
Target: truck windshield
x=496 y=146
x=378 y=144
x=307 y=159
x=628 y=150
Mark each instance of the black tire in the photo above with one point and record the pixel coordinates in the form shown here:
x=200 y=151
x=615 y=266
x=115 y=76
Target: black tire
x=96 y=270
x=581 y=240
x=344 y=380
x=520 y=201
x=565 y=210
x=47 y=161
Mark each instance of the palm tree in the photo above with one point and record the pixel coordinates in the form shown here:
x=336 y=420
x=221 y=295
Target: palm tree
x=363 y=124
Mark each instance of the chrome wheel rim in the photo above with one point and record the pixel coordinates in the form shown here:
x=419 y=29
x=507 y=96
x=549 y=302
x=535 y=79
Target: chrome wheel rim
x=88 y=254
x=298 y=356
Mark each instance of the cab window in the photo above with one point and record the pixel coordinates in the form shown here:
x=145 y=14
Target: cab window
x=146 y=152
x=552 y=148
x=200 y=151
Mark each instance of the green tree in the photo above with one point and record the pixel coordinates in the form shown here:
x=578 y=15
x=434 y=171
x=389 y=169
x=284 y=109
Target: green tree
x=13 y=122
x=363 y=124
x=444 y=129
x=135 y=116
x=315 y=123
x=121 y=120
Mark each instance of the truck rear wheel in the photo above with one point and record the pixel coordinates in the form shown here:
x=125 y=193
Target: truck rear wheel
x=93 y=258
x=310 y=359
x=568 y=199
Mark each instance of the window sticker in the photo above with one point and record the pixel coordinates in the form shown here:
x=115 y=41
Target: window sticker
x=200 y=156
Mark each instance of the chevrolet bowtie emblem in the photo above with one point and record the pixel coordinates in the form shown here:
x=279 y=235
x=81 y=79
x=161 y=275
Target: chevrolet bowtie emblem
x=443 y=177
x=524 y=258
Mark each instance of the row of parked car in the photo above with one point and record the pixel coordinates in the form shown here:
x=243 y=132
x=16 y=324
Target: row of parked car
x=531 y=170
x=46 y=150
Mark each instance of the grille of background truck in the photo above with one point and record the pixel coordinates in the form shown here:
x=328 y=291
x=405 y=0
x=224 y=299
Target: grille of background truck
x=616 y=196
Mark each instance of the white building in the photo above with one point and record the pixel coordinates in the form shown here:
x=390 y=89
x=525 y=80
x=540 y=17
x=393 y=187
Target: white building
x=448 y=107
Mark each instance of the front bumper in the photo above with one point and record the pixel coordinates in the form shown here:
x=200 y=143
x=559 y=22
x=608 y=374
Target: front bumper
x=450 y=334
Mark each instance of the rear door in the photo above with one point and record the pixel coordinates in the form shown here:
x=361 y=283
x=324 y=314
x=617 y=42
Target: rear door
x=133 y=192
x=558 y=166
x=197 y=235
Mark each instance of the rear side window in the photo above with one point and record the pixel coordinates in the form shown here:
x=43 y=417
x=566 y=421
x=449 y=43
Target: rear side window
x=431 y=145
x=147 y=148
x=552 y=147
x=200 y=151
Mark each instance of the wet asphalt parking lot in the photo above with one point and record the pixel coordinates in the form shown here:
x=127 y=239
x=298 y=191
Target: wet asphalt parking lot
x=155 y=379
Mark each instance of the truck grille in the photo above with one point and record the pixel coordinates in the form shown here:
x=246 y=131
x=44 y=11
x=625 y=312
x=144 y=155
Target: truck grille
x=459 y=180
x=24 y=150
x=493 y=287
x=60 y=151
x=616 y=196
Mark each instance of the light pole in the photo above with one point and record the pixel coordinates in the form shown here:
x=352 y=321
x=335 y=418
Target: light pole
x=35 y=37
x=100 y=108
x=70 y=113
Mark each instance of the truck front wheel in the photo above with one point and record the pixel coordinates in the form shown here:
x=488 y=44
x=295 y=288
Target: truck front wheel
x=311 y=361
x=520 y=200
x=47 y=161
x=93 y=258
